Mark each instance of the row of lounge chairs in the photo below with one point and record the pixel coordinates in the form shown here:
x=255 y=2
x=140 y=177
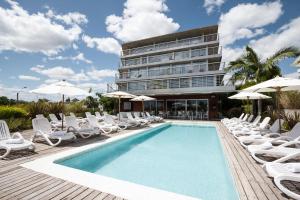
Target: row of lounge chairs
x=73 y=127
x=279 y=153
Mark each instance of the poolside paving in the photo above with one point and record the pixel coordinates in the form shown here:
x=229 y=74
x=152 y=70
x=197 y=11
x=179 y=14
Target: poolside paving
x=22 y=183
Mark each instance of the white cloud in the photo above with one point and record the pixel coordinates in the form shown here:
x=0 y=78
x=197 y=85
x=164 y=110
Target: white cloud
x=287 y=35
x=60 y=72
x=230 y=54
x=247 y=20
x=101 y=73
x=211 y=5
x=28 y=78
x=71 y=18
x=75 y=46
x=106 y=45
x=141 y=19
x=38 y=32
x=79 y=57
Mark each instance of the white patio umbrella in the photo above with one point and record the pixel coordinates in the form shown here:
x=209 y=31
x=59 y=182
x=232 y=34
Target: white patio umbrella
x=142 y=98
x=277 y=85
x=63 y=88
x=249 y=95
x=120 y=95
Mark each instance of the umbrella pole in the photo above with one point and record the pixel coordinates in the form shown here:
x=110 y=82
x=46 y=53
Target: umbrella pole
x=278 y=109
x=119 y=108
x=143 y=106
x=62 y=117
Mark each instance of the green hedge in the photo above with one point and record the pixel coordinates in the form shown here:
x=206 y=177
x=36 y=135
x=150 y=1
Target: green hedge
x=7 y=112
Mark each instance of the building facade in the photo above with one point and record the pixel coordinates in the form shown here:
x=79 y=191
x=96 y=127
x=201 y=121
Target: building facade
x=183 y=71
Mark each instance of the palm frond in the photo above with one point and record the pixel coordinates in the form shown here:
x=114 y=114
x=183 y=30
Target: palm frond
x=289 y=52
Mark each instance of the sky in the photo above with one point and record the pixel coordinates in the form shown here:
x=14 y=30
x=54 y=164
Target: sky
x=42 y=41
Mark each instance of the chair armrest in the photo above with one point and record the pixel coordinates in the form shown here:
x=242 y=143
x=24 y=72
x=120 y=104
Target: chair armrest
x=286 y=144
x=17 y=135
x=282 y=138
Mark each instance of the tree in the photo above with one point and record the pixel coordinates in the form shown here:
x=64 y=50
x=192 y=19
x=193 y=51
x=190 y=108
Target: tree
x=107 y=103
x=251 y=69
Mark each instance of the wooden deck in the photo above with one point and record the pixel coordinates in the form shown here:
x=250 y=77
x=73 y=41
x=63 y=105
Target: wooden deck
x=21 y=183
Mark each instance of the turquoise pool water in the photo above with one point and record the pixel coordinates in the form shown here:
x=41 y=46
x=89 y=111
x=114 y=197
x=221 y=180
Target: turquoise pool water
x=187 y=160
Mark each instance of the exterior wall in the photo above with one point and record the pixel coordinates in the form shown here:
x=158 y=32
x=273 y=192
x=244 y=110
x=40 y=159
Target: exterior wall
x=183 y=65
x=212 y=103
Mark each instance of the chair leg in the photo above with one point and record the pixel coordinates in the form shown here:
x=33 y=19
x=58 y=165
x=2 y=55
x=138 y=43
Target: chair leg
x=6 y=153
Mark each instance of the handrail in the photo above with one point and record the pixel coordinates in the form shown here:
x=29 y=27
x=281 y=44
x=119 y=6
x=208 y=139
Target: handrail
x=171 y=44
x=186 y=69
x=170 y=57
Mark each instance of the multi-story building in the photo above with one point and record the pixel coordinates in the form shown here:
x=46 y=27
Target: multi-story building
x=182 y=70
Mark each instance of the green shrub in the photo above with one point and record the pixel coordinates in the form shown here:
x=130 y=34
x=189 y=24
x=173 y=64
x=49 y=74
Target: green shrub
x=37 y=108
x=290 y=100
x=76 y=107
x=7 y=112
x=234 y=112
x=18 y=124
x=290 y=120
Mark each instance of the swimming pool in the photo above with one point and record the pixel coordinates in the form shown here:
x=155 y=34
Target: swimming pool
x=182 y=159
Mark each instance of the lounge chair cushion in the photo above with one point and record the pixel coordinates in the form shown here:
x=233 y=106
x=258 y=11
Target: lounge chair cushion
x=15 y=141
x=293 y=167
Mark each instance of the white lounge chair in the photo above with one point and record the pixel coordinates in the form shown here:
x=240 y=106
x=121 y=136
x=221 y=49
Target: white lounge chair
x=130 y=117
x=131 y=121
x=156 y=118
x=42 y=128
x=137 y=117
x=110 y=120
x=99 y=116
x=12 y=142
x=149 y=118
x=105 y=128
x=87 y=114
x=281 y=153
x=275 y=168
x=225 y=120
x=236 y=122
x=40 y=116
x=84 y=130
x=56 y=123
x=79 y=119
x=257 y=143
x=252 y=130
x=278 y=181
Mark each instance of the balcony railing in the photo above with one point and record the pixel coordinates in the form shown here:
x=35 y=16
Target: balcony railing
x=172 y=57
x=171 y=70
x=172 y=44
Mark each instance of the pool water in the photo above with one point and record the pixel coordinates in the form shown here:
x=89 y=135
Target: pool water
x=184 y=159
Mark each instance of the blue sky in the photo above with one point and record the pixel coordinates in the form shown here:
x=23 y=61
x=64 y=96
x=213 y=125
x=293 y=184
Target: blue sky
x=44 y=41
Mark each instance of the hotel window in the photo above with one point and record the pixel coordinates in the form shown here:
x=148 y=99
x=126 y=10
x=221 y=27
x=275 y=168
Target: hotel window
x=122 y=87
x=136 y=86
x=184 y=83
x=198 y=52
x=157 y=84
x=174 y=83
x=203 y=81
x=182 y=55
x=176 y=69
x=164 y=70
x=154 y=71
x=199 y=67
x=144 y=60
x=134 y=61
x=197 y=40
x=161 y=58
x=219 y=80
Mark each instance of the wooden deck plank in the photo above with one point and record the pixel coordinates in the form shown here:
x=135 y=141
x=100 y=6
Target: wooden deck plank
x=21 y=183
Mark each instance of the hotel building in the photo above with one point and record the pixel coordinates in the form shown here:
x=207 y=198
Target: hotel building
x=182 y=70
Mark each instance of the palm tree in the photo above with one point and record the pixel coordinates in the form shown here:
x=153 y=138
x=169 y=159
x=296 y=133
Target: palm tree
x=251 y=69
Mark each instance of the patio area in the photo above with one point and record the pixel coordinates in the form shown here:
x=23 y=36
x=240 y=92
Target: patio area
x=21 y=183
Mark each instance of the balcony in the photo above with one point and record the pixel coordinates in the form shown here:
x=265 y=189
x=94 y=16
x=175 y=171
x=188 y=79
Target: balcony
x=179 y=56
x=178 y=91
x=171 y=71
x=205 y=39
